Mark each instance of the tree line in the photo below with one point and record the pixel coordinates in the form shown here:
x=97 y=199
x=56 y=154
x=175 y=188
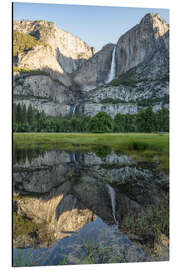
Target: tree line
x=146 y=120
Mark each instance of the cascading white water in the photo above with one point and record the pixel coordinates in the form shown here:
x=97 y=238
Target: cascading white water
x=74 y=109
x=112 y=72
x=112 y=195
x=74 y=157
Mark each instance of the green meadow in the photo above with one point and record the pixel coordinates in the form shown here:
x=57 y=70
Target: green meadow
x=141 y=146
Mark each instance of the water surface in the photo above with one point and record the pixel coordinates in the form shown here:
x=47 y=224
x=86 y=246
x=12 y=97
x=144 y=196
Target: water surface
x=87 y=207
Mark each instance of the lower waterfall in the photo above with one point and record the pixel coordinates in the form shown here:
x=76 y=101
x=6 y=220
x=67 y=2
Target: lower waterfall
x=74 y=109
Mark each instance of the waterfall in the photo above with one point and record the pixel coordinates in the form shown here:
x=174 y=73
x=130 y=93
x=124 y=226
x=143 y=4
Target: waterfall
x=112 y=195
x=112 y=72
x=74 y=109
x=74 y=157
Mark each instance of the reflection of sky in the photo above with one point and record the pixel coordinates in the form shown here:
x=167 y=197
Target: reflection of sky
x=95 y=25
x=131 y=188
x=93 y=233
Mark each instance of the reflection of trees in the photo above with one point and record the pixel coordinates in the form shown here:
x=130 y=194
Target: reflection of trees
x=20 y=156
x=102 y=151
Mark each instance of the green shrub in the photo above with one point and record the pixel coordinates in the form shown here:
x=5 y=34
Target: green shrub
x=150 y=226
x=113 y=101
x=165 y=78
x=22 y=225
x=149 y=102
x=29 y=71
x=101 y=123
x=123 y=81
x=23 y=42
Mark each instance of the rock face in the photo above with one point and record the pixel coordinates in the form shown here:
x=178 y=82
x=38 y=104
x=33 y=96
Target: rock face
x=127 y=98
x=68 y=49
x=95 y=71
x=141 y=43
x=43 y=92
x=67 y=72
x=60 y=53
x=142 y=72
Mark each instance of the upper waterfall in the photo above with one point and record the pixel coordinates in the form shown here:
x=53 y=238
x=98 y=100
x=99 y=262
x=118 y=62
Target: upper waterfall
x=112 y=195
x=112 y=72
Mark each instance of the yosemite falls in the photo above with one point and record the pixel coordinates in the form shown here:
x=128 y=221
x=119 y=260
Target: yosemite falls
x=112 y=195
x=64 y=79
x=112 y=72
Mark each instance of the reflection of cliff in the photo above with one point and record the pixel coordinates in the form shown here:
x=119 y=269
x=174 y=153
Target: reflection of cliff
x=68 y=190
x=53 y=168
x=56 y=217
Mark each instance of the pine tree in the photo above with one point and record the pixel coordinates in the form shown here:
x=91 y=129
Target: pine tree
x=101 y=122
x=30 y=115
x=162 y=120
x=19 y=113
x=24 y=114
x=119 y=123
x=146 y=120
x=14 y=113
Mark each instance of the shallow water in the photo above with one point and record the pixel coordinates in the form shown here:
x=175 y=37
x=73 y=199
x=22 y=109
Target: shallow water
x=70 y=206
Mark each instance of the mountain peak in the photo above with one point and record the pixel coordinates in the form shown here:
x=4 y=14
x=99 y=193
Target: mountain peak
x=147 y=19
x=150 y=18
x=156 y=22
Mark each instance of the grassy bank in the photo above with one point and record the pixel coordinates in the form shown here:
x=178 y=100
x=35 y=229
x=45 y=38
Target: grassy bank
x=140 y=145
x=75 y=141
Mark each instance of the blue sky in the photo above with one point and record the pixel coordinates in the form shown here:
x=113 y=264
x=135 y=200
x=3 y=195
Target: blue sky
x=95 y=25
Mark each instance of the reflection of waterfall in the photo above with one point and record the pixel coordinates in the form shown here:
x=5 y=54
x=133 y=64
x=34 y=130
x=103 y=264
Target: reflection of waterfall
x=112 y=195
x=112 y=72
x=74 y=157
x=74 y=109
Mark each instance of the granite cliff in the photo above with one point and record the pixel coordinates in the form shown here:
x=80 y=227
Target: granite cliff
x=61 y=71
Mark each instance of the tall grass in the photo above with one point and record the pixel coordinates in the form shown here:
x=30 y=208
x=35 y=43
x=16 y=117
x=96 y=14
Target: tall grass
x=127 y=141
x=141 y=145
